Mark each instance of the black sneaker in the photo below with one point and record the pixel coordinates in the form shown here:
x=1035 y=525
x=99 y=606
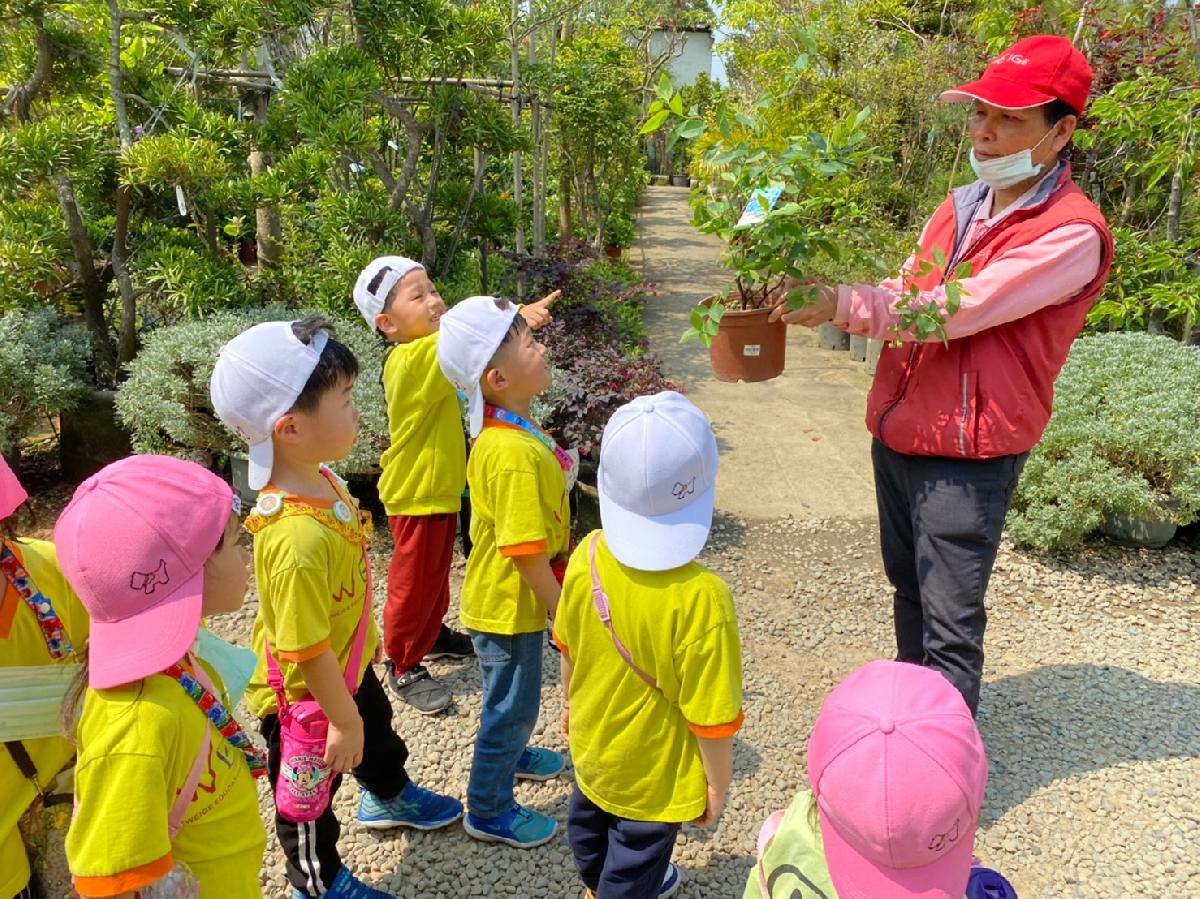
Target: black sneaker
x=418 y=689
x=451 y=645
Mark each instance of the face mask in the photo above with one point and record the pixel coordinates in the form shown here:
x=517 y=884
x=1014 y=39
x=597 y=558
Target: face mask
x=233 y=663
x=1006 y=171
x=31 y=700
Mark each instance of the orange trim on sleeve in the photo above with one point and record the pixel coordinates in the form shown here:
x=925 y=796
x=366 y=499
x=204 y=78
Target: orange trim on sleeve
x=525 y=549
x=562 y=647
x=718 y=731
x=116 y=884
x=8 y=609
x=304 y=655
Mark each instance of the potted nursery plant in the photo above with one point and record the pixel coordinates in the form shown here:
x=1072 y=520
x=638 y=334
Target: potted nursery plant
x=774 y=206
x=778 y=205
x=618 y=234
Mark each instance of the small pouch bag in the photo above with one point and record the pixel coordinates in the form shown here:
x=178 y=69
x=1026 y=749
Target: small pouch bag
x=305 y=781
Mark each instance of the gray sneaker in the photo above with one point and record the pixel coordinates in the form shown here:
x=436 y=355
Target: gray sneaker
x=418 y=689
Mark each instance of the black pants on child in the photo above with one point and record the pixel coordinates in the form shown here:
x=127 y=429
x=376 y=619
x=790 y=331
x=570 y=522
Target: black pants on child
x=940 y=522
x=616 y=857
x=312 y=857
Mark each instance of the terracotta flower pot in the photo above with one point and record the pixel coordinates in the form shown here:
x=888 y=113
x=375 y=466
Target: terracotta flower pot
x=612 y=252
x=748 y=347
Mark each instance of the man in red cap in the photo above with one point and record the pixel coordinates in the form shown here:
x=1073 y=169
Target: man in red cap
x=953 y=422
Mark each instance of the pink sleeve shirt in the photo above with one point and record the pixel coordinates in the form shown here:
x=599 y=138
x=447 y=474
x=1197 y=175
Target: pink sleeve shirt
x=1015 y=284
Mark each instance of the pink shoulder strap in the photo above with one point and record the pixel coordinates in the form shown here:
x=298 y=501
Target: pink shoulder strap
x=600 y=602
x=765 y=836
x=184 y=799
x=275 y=676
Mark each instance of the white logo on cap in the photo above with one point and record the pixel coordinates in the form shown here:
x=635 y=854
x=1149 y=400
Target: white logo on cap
x=1015 y=58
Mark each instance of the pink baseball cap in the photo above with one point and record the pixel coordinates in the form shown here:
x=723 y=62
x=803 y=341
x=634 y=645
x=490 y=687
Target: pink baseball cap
x=132 y=543
x=12 y=494
x=899 y=772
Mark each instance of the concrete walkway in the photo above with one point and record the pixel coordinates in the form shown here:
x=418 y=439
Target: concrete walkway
x=794 y=445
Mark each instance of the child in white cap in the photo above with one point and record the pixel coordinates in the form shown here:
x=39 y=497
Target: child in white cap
x=521 y=524
x=651 y=658
x=423 y=473
x=897 y=772
x=285 y=388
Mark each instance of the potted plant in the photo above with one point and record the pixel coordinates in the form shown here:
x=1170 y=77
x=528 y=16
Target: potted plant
x=1121 y=453
x=774 y=205
x=681 y=164
x=618 y=234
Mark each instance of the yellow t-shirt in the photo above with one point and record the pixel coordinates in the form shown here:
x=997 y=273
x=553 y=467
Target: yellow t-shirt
x=425 y=468
x=312 y=583
x=137 y=745
x=634 y=747
x=21 y=644
x=518 y=507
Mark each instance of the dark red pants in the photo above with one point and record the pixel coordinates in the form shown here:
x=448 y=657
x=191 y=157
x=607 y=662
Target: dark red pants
x=418 y=585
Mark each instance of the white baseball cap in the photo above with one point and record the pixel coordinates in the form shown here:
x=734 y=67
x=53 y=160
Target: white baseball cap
x=257 y=378
x=657 y=481
x=370 y=303
x=471 y=332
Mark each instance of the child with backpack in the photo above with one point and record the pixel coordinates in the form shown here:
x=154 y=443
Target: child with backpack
x=43 y=634
x=651 y=657
x=164 y=785
x=424 y=471
x=521 y=524
x=285 y=388
x=897 y=772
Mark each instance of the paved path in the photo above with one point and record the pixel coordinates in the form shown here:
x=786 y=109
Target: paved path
x=794 y=445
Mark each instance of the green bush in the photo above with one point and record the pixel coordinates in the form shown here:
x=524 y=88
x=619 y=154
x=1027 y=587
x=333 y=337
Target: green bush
x=1124 y=437
x=42 y=371
x=165 y=402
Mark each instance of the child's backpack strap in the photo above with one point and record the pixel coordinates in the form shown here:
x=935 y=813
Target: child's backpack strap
x=600 y=602
x=766 y=836
x=184 y=799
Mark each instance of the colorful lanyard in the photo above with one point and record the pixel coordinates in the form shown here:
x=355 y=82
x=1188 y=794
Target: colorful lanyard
x=58 y=644
x=219 y=717
x=511 y=418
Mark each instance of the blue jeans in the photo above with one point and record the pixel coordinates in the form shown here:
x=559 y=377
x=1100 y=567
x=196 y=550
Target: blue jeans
x=511 y=665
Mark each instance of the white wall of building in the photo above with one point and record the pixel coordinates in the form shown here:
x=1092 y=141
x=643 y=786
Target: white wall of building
x=692 y=54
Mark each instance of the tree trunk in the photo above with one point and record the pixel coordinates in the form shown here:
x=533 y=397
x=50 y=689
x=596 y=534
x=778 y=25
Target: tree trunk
x=127 y=346
x=21 y=96
x=116 y=76
x=268 y=230
x=564 y=205
x=103 y=352
x=517 y=160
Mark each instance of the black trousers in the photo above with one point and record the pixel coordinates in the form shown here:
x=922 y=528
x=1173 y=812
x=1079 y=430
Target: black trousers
x=311 y=849
x=940 y=521
x=618 y=858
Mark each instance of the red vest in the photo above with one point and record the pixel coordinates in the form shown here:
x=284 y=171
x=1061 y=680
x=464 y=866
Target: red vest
x=988 y=394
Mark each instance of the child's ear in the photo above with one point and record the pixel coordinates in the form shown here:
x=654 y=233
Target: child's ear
x=494 y=380
x=384 y=323
x=287 y=428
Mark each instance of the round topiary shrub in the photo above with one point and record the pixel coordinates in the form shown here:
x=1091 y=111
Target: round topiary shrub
x=43 y=371
x=165 y=402
x=1124 y=437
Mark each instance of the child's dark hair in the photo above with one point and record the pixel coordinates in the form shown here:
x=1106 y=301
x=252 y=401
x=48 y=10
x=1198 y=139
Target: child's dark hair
x=336 y=366
x=8 y=526
x=518 y=327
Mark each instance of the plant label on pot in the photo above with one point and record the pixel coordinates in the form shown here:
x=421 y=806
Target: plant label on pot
x=754 y=213
x=752 y=349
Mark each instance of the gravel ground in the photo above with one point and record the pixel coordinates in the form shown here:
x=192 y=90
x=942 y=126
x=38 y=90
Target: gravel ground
x=1090 y=712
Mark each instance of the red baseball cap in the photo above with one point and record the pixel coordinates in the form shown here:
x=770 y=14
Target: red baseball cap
x=1032 y=72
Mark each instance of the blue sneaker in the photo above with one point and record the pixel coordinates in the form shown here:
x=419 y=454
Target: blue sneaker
x=414 y=807
x=540 y=764
x=347 y=886
x=671 y=881
x=520 y=827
